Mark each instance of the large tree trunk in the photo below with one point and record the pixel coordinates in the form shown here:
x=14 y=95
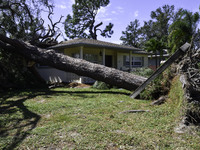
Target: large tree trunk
x=78 y=66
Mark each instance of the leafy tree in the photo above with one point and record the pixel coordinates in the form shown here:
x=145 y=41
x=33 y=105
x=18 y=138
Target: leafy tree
x=196 y=40
x=162 y=16
x=157 y=27
x=132 y=34
x=184 y=29
x=84 y=18
x=148 y=31
x=155 y=46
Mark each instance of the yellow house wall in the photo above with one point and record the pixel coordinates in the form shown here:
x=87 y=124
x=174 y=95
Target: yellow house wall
x=95 y=51
x=117 y=57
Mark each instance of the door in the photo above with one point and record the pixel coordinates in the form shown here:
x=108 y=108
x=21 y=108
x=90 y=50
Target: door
x=108 y=60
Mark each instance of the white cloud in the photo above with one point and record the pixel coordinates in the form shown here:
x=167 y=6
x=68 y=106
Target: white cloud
x=71 y=2
x=104 y=14
x=107 y=19
x=136 y=13
x=61 y=6
x=116 y=41
x=113 y=12
x=102 y=11
x=120 y=9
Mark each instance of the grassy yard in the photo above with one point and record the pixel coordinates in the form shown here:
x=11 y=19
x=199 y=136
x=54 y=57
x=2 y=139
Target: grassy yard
x=90 y=119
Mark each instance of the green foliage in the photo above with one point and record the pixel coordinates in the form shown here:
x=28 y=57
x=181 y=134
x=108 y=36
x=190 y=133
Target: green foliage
x=14 y=72
x=156 y=47
x=162 y=16
x=21 y=19
x=84 y=18
x=184 y=28
x=101 y=85
x=144 y=72
x=132 y=34
x=171 y=28
x=157 y=28
x=158 y=87
x=154 y=90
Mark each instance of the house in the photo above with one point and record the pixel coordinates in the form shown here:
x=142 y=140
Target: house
x=156 y=60
x=109 y=54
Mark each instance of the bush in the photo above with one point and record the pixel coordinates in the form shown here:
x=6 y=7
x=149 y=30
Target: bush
x=101 y=85
x=145 y=72
x=159 y=87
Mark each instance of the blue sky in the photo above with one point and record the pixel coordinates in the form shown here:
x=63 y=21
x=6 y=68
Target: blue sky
x=122 y=12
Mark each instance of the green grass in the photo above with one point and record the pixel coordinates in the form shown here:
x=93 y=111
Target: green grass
x=90 y=119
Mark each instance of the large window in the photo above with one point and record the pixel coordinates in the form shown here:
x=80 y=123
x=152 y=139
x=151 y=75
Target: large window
x=76 y=55
x=89 y=57
x=136 y=61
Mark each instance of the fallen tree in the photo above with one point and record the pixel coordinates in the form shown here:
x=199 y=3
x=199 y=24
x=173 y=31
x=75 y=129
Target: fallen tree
x=189 y=68
x=80 y=67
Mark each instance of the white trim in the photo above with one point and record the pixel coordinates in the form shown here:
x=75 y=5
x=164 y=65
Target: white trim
x=81 y=57
x=103 y=56
x=130 y=60
x=81 y=52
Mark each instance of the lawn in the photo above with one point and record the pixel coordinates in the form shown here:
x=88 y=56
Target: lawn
x=67 y=118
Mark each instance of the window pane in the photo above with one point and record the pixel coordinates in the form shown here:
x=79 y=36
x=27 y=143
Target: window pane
x=91 y=57
x=76 y=55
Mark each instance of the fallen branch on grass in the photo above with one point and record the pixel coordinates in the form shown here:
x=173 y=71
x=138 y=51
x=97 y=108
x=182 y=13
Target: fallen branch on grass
x=134 y=111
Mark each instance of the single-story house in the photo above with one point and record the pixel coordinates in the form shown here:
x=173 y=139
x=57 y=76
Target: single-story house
x=109 y=54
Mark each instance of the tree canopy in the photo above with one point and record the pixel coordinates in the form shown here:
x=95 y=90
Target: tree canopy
x=132 y=34
x=155 y=46
x=184 y=28
x=21 y=19
x=167 y=26
x=82 y=24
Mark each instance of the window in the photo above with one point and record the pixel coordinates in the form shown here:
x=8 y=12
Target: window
x=76 y=55
x=136 y=61
x=125 y=60
x=91 y=58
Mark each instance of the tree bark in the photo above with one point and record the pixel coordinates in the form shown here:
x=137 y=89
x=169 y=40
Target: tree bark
x=78 y=66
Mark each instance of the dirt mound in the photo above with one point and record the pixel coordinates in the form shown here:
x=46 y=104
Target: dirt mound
x=77 y=85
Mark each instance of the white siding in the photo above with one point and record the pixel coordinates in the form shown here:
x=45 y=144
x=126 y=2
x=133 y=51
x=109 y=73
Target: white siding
x=52 y=75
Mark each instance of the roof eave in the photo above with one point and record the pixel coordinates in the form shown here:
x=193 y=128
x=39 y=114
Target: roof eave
x=90 y=45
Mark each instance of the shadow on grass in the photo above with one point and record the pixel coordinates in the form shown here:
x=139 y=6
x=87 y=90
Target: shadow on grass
x=19 y=120
x=15 y=126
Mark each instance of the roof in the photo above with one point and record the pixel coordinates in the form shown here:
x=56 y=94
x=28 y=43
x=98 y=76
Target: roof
x=96 y=43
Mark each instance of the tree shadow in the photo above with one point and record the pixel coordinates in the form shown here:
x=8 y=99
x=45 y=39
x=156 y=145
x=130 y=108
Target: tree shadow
x=89 y=92
x=18 y=127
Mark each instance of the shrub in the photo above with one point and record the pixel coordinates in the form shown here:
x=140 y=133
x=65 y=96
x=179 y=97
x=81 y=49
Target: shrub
x=145 y=72
x=160 y=86
x=101 y=85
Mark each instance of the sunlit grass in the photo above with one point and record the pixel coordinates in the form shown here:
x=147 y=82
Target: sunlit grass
x=91 y=119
